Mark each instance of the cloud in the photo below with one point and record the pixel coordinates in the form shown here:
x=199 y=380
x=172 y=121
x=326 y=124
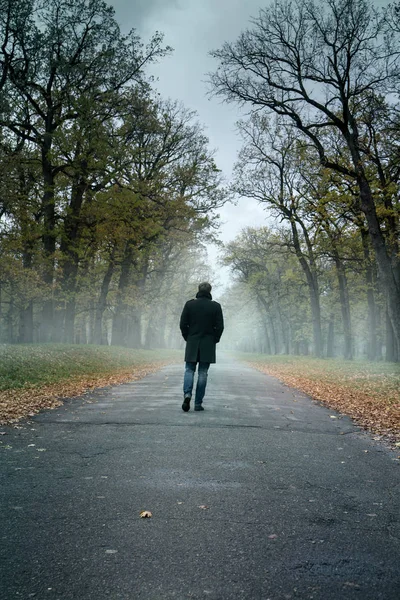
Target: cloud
x=138 y=13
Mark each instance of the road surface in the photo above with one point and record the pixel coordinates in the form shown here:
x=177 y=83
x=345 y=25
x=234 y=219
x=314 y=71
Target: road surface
x=265 y=495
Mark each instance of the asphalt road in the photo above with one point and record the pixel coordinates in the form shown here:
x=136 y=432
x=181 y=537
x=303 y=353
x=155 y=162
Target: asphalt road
x=264 y=495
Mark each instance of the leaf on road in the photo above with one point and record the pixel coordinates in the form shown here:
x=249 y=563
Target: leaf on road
x=203 y=506
x=146 y=514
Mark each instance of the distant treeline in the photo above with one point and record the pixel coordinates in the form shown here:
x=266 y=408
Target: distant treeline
x=105 y=188
x=321 y=81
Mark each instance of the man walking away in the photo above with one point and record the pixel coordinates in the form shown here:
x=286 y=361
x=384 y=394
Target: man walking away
x=201 y=324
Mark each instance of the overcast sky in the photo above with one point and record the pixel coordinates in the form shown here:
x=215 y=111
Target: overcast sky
x=193 y=28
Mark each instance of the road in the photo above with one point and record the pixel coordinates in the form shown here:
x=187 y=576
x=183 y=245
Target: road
x=265 y=495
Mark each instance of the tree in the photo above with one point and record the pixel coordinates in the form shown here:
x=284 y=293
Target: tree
x=318 y=65
x=268 y=170
x=262 y=260
x=62 y=58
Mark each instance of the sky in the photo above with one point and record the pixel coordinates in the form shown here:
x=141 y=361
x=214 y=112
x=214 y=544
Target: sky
x=193 y=28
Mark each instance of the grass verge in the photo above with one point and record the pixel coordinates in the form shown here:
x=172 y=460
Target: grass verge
x=367 y=392
x=34 y=377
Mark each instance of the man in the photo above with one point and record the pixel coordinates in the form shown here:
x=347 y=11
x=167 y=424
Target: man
x=201 y=325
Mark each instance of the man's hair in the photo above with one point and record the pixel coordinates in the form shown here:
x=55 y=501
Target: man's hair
x=205 y=287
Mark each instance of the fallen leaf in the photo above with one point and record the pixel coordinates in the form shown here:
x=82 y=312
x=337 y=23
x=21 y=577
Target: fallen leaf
x=146 y=514
x=273 y=536
x=203 y=506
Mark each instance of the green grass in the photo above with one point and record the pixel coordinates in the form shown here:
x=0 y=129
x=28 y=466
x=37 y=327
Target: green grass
x=43 y=364
x=379 y=377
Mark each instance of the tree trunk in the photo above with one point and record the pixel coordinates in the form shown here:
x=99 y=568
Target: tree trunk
x=313 y=288
x=134 y=328
x=387 y=270
x=267 y=308
x=102 y=301
x=266 y=337
x=69 y=321
x=26 y=313
x=264 y=324
x=119 y=335
x=26 y=324
x=90 y=323
x=330 y=348
x=284 y=332
x=134 y=323
x=48 y=239
x=10 y=319
x=372 y=352
x=345 y=306
x=69 y=250
x=392 y=354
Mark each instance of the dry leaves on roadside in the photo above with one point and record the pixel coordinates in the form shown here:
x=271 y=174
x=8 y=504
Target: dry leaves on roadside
x=18 y=403
x=372 y=410
x=146 y=514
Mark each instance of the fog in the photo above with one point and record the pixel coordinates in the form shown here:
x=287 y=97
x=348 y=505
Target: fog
x=142 y=183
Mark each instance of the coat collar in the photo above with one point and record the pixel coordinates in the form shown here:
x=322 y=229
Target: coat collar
x=204 y=295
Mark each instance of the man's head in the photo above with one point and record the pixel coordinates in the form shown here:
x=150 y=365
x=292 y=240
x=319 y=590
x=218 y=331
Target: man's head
x=205 y=287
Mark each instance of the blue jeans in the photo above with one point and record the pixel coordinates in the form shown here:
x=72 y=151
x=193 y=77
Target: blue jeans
x=190 y=368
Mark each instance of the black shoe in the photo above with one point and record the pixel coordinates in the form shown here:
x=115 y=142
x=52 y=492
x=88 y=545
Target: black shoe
x=186 y=403
x=198 y=407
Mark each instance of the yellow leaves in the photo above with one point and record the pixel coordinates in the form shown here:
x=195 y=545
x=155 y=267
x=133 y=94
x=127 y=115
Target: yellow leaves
x=146 y=514
x=372 y=399
x=18 y=403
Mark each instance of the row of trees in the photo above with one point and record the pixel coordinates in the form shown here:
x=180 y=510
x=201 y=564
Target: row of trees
x=272 y=301
x=104 y=187
x=321 y=151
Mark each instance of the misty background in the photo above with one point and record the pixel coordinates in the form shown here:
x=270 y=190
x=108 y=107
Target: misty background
x=193 y=29
x=127 y=178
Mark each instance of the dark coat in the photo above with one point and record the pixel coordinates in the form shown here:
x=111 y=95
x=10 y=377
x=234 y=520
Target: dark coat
x=201 y=325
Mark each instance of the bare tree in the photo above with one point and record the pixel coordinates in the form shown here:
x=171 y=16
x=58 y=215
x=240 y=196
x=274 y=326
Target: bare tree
x=317 y=65
x=268 y=171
